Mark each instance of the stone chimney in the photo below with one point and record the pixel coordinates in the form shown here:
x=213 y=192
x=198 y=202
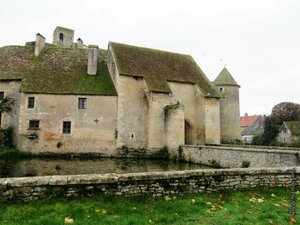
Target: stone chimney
x=92 y=59
x=40 y=42
x=79 y=43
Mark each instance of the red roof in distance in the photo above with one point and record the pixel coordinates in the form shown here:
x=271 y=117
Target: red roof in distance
x=247 y=121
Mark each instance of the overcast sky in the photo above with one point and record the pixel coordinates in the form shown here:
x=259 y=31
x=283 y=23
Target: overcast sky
x=257 y=40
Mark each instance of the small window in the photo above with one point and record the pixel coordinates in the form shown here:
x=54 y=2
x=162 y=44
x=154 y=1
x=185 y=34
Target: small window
x=61 y=36
x=82 y=103
x=221 y=89
x=30 y=102
x=34 y=124
x=66 y=127
x=284 y=130
x=1 y=95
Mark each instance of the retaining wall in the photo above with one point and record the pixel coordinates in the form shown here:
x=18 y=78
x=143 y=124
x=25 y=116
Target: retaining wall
x=152 y=183
x=233 y=157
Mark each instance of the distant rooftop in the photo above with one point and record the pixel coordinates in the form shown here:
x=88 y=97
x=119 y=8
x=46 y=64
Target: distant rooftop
x=246 y=121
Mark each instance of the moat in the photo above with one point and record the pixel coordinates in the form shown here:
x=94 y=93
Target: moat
x=47 y=167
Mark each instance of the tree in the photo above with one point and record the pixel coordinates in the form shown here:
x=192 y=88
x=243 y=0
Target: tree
x=6 y=104
x=286 y=111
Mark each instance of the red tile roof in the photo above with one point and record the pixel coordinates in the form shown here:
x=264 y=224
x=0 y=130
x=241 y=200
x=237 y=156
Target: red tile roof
x=247 y=121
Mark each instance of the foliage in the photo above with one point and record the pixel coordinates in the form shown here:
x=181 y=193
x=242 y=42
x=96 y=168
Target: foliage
x=214 y=163
x=6 y=137
x=10 y=153
x=162 y=153
x=59 y=144
x=231 y=141
x=180 y=154
x=245 y=163
x=170 y=107
x=286 y=111
x=252 y=206
x=271 y=130
x=6 y=104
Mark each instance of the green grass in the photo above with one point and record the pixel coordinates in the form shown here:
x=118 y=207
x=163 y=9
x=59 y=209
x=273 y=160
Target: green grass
x=254 y=206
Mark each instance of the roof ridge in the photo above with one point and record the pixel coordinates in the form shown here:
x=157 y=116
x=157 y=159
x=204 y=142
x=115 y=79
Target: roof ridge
x=148 y=48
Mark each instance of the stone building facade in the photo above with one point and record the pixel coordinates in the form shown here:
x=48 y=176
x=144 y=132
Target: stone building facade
x=74 y=98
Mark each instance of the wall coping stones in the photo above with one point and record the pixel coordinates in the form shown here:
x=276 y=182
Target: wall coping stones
x=115 y=178
x=258 y=150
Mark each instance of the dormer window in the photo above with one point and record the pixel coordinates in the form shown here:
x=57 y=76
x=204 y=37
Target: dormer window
x=61 y=36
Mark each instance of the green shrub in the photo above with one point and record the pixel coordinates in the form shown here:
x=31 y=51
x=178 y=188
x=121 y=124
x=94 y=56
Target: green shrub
x=6 y=137
x=162 y=153
x=214 y=163
x=231 y=141
x=245 y=164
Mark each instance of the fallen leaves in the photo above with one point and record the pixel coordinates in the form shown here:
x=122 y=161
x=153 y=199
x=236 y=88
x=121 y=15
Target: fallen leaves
x=169 y=198
x=256 y=198
x=215 y=207
x=69 y=219
x=292 y=220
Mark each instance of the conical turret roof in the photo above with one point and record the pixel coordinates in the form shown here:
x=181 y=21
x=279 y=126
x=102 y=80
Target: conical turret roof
x=225 y=78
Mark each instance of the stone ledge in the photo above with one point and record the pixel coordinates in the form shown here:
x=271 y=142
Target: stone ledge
x=115 y=178
x=242 y=149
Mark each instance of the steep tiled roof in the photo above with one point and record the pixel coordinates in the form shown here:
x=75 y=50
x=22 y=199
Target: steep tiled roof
x=294 y=127
x=54 y=71
x=246 y=121
x=225 y=78
x=157 y=67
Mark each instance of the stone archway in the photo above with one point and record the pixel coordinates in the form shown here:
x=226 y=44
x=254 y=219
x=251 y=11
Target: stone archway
x=188 y=133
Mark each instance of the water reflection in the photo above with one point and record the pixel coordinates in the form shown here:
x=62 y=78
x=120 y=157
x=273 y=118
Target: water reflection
x=46 y=167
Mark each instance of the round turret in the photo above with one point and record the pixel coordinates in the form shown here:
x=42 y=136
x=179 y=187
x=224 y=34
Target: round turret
x=229 y=106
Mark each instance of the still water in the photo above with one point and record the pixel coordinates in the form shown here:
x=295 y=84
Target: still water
x=46 y=167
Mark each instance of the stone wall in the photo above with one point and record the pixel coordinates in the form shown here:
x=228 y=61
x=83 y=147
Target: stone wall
x=11 y=119
x=233 y=157
x=212 y=121
x=132 y=113
x=194 y=109
x=92 y=129
x=151 y=183
x=230 y=113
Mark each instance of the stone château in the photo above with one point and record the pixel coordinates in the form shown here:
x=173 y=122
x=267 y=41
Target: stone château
x=69 y=97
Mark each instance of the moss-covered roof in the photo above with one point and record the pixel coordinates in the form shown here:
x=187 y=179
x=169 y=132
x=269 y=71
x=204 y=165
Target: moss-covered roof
x=225 y=79
x=54 y=71
x=294 y=127
x=158 y=67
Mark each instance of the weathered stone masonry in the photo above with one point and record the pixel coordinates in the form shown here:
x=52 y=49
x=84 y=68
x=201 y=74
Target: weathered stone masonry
x=153 y=183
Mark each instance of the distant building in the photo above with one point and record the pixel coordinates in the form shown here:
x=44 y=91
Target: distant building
x=251 y=126
x=289 y=132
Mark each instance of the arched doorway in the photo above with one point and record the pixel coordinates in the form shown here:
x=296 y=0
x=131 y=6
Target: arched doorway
x=188 y=138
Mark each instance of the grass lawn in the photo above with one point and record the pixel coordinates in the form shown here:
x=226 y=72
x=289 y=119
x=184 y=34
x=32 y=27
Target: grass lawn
x=253 y=206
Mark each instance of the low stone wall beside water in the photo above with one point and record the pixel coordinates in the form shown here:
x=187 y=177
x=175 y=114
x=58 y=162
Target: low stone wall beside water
x=153 y=183
x=233 y=157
